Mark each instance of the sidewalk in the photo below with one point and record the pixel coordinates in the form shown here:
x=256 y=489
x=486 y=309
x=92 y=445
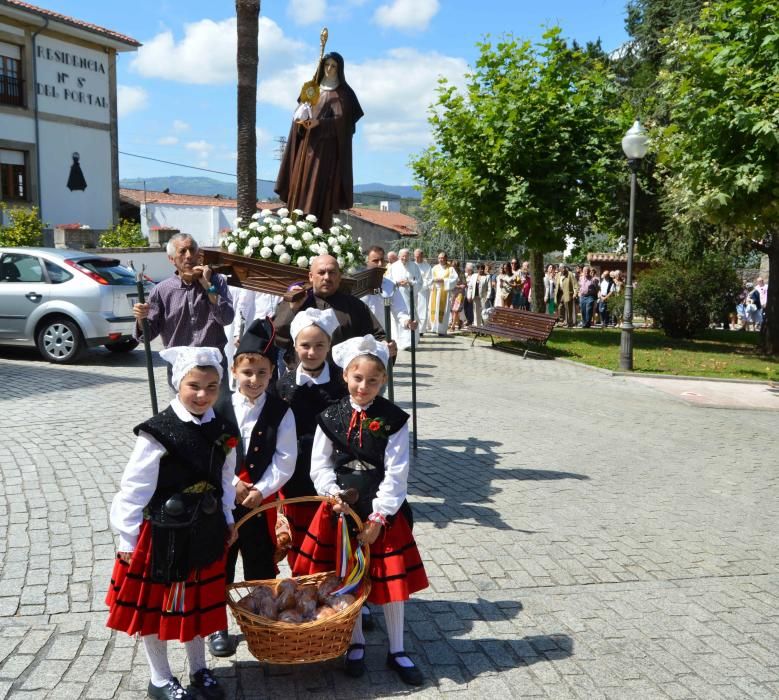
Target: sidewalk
x=585 y=536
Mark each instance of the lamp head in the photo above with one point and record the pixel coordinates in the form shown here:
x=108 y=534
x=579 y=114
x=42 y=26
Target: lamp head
x=635 y=142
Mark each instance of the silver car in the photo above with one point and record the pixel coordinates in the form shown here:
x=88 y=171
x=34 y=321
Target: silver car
x=64 y=301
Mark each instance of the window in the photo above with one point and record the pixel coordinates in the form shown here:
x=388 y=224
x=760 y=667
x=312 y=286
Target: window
x=13 y=175
x=16 y=267
x=11 y=83
x=57 y=275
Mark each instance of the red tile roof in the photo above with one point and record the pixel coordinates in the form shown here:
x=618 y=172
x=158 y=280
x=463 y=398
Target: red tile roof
x=71 y=21
x=404 y=224
x=191 y=200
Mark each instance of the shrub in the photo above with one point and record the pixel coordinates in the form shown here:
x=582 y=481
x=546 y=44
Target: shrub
x=25 y=229
x=684 y=298
x=126 y=234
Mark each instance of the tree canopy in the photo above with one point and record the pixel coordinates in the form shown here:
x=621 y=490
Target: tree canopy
x=719 y=156
x=524 y=153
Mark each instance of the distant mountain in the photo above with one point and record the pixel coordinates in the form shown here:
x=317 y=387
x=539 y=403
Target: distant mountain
x=211 y=186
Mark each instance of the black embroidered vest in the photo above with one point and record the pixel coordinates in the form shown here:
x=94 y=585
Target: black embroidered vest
x=307 y=402
x=262 y=444
x=334 y=422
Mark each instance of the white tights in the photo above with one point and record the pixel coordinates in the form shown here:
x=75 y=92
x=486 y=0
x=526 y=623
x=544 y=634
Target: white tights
x=157 y=655
x=393 y=617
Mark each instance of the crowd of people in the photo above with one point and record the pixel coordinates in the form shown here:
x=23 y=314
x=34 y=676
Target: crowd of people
x=750 y=309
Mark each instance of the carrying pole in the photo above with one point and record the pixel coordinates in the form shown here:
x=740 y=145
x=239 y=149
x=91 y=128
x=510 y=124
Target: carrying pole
x=388 y=330
x=412 y=310
x=146 y=342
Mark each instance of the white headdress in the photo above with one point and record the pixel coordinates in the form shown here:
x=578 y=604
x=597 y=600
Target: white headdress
x=324 y=319
x=345 y=352
x=185 y=357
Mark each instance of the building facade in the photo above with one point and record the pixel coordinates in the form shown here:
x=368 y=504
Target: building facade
x=58 y=115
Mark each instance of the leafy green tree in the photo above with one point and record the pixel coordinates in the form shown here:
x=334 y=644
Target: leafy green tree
x=126 y=234
x=719 y=156
x=524 y=156
x=25 y=228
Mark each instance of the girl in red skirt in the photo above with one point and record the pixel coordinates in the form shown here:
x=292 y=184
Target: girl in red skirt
x=309 y=389
x=174 y=517
x=361 y=444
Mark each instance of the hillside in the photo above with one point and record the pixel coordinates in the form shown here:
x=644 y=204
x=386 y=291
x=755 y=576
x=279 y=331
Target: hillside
x=211 y=186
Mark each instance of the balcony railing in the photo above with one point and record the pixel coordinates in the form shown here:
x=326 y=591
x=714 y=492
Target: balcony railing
x=11 y=91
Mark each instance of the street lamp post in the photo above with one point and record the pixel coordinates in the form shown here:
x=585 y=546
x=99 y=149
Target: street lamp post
x=634 y=144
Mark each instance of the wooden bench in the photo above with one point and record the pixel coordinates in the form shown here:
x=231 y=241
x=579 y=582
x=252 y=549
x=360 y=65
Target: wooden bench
x=515 y=324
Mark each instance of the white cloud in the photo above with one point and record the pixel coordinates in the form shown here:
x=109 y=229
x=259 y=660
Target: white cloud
x=264 y=136
x=202 y=150
x=179 y=125
x=406 y=15
x=167 y=141
x=395 y=110
x=307 y=11
x=130 y=99
x=206 y=53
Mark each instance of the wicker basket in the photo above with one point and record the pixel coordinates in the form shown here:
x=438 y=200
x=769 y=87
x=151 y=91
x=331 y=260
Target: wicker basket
x=277 y=642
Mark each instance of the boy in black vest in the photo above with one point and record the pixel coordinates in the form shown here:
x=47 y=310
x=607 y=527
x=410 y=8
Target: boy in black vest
x=265 y=458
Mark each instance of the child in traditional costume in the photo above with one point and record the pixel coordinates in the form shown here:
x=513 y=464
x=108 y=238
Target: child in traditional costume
x=361 y=443
x=174 y=517
x=265 y=459
x=314 y=385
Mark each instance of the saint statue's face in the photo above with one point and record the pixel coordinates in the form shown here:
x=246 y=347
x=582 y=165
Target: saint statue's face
x=331 y=69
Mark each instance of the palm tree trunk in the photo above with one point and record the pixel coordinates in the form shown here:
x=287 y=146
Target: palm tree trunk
x=247 y=14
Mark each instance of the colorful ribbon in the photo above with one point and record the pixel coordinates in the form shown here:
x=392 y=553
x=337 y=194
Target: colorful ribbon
x=350 y=562
x=176 y=598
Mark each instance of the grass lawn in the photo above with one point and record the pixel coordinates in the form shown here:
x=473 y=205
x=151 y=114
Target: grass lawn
x=724 y=354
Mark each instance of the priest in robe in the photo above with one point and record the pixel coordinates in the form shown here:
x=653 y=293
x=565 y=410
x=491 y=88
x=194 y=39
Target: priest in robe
x=443 y=281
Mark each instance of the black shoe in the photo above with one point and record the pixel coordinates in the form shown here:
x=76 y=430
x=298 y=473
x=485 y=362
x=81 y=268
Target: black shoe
x=368 y=623
x=172 y=691
x=206 y=685
x=219 y=644
x=354 y=668
x=410 y=676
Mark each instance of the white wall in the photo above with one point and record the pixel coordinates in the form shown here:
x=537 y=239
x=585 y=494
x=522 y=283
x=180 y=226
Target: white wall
x=93 y=206
x=202 y=223
x=17 y=128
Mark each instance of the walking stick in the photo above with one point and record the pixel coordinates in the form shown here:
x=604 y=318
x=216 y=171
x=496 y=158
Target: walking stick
x=146 y=342
x=412 y=309
x=388 y=331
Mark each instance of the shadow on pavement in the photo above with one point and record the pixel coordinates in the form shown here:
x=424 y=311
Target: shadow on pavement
x=442 y=648
x=462 y=472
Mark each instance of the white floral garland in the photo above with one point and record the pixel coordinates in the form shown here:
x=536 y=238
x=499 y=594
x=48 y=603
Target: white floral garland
x=293 y=240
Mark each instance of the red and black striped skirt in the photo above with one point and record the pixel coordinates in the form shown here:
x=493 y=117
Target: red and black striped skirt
x=137 y=605
x=299 y=516
x=396 y=569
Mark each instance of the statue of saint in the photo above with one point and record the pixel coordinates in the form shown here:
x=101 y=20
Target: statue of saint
x=316 y=170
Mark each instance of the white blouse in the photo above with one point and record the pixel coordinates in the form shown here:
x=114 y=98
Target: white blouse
x=394 y=486
x=282 y=465
x=139 y=481
x=302 y=377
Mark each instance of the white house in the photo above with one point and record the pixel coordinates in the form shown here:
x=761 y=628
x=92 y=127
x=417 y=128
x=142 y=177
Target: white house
x=58 y=115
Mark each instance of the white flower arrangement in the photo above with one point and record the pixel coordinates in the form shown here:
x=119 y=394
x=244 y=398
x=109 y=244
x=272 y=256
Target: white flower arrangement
x=293 y=239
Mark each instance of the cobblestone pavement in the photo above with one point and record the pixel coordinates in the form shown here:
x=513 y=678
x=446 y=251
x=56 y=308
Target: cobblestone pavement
x=585 y=536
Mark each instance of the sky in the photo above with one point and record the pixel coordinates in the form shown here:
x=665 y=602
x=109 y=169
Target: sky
x=177 y=92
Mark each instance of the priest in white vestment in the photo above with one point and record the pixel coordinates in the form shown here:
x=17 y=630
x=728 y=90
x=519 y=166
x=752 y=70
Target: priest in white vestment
x=405 y=274
x=423 y=290
x=444 y=280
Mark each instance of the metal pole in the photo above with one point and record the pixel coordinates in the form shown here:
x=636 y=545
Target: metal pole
x=626 y=340
x=388 y=331
x=413 y=313
x=146 y=342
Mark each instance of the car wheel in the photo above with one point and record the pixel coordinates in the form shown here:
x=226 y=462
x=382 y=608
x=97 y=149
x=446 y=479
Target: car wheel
x=125 y=345
x=60 y=340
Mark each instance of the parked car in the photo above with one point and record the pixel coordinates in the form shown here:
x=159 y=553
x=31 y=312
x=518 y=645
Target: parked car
x=64 y=301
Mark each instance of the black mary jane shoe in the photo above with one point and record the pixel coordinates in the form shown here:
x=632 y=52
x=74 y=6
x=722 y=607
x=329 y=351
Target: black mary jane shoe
x=206 y=685
x=354 y=668
x=220 y=645
x=410 y=676
x=172 y=691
